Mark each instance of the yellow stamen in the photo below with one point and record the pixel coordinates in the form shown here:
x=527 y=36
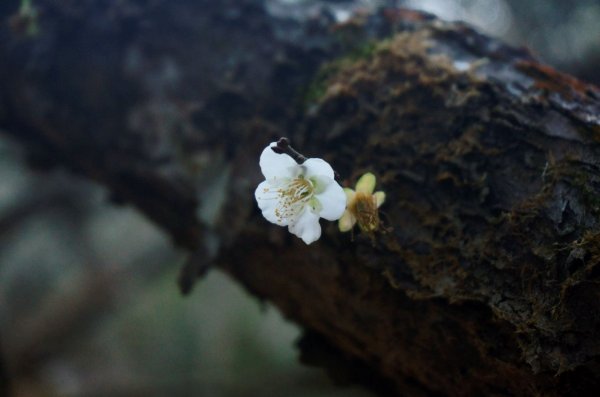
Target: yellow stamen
x=293 y=197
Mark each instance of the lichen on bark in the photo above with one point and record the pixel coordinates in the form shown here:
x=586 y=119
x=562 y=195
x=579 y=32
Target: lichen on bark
x=491 y=202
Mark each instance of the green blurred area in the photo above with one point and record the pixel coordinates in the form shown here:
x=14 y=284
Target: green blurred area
x=89 y=305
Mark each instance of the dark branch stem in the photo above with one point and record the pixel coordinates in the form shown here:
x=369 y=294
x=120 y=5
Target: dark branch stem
x=284 y=147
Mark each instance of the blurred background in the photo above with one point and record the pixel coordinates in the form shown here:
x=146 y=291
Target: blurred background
x=88 y=300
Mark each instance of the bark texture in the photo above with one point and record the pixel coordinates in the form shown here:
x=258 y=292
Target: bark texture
x=487 y=279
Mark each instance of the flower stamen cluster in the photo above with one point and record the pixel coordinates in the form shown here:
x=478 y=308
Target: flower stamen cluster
x=362 y=206
x=293 y=197
x=297 y=195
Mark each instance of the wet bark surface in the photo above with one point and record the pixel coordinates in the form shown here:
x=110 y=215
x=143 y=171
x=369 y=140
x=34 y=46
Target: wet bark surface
x=485 y=278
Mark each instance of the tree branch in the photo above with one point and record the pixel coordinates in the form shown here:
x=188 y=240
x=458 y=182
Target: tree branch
x=489 y=160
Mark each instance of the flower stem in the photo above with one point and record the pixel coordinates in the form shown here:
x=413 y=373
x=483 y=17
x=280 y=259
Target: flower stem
x=283 y=146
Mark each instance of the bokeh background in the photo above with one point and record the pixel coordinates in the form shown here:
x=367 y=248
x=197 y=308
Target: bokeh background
x=88 y=300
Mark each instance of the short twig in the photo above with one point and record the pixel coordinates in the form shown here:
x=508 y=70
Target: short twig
x=283 y=147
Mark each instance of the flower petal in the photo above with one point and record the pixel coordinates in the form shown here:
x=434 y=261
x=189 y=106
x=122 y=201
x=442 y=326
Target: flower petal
x=379 y=198
x=306 y=226
x=333 y=201
x=267 y=198
x=366 y=183
x=346 y=222
x=275 y=165
x=349 y=195
x=317 y=167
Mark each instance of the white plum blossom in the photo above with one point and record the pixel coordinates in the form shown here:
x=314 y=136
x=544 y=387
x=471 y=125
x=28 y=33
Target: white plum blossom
x=296 y=196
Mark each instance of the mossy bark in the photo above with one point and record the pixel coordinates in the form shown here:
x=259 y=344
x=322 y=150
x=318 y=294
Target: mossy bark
x=485 y=278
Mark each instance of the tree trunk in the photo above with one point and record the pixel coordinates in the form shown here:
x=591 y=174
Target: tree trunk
x=485 y=279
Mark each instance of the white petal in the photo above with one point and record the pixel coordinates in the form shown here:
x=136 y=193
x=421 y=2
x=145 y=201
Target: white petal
x=306 y=227
x=275 y=165
x=317 y=167
x=333 y=201
x=268 y=200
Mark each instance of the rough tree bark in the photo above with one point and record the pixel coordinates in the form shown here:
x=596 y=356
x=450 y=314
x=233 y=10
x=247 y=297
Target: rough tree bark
x=488 y=282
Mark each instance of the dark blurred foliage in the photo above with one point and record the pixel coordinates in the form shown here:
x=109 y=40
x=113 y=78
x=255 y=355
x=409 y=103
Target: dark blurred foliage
x=88 y=300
